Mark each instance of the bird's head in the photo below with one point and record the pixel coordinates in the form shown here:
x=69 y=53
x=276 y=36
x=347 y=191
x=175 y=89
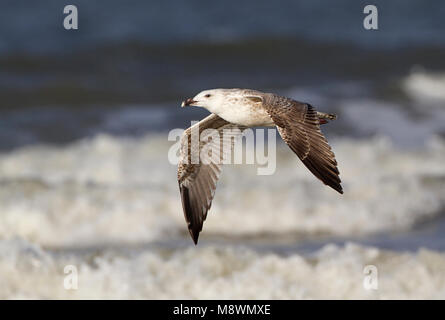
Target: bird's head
x=212 y=99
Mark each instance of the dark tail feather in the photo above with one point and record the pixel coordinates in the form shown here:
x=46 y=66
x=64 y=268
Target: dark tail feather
x=324 y=117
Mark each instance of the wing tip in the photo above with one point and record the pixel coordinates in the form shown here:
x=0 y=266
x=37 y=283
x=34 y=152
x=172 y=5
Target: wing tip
x=194 y=235
x=338 y=188
x=193 y=227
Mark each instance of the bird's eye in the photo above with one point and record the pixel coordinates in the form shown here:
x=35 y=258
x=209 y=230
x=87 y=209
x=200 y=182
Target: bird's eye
x=207 y=95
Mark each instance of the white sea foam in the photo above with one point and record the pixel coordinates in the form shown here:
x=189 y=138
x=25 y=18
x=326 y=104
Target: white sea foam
x=371 y=116
x=109 y=189
x=213 y=272
x=425 y=86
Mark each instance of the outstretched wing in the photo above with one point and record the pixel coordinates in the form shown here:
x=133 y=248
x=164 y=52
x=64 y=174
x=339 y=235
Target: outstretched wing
x=200 y=164
x=299 y=126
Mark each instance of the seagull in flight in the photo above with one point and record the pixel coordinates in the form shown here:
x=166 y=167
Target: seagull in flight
x=234 y=110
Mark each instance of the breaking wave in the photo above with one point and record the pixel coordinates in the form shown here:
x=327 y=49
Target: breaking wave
x=213 y=272
x=425 y=86
x=108 y=189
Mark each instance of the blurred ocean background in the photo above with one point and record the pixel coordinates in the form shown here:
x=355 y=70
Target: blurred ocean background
x=85 y=179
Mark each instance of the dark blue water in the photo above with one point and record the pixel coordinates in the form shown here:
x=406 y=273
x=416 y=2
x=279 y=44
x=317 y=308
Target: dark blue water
x=36 y=26
x=129 y=55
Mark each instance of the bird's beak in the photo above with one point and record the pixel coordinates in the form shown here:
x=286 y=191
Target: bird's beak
x=188 y=102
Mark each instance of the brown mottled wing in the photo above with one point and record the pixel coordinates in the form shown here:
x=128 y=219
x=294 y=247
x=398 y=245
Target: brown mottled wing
x=200 y=166
x=299 y=126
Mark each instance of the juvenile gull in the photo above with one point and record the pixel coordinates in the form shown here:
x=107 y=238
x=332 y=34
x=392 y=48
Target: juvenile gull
x=298 y=124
